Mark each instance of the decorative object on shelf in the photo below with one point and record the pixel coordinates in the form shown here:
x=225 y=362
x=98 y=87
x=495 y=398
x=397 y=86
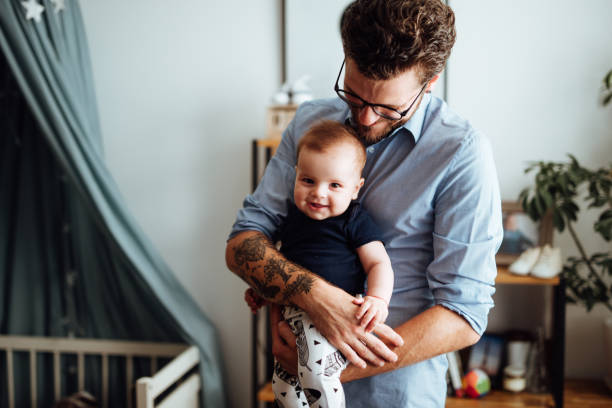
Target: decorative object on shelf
x=476 y=383
x=300 y=91
x=537 y=373
x=514 y=379
x=293 y=93
x=521 y=233
x=543 y=263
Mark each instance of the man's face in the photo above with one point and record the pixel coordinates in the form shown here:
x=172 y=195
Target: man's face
x=326 y=182
x=397 y=92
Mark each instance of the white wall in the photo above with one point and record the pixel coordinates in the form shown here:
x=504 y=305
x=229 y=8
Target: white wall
x=182 y=89
x=527 y=73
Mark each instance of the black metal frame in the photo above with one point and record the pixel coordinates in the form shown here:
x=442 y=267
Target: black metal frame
x=256 y=384
x=558 y=351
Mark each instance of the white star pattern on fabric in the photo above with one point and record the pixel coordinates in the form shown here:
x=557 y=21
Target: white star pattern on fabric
x=33 y=10
x=58 y=5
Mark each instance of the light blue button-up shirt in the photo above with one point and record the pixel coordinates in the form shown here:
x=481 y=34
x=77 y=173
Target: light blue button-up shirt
x=432 y=188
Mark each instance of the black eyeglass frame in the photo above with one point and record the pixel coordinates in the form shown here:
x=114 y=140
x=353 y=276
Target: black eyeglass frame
x=365 y=103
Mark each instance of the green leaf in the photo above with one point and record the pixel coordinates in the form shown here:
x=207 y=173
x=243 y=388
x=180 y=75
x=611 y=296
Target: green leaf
x=604 y=225
x=558 y=221
x=608 y=80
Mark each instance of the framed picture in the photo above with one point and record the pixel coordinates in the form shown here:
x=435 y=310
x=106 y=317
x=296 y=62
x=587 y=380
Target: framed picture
x=521 y=232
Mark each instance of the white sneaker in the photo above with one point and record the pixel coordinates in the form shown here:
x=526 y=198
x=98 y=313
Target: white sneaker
x=549 y=263
x=525 y=262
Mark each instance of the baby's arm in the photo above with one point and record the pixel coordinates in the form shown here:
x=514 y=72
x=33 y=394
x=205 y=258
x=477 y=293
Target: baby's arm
x=377 y=266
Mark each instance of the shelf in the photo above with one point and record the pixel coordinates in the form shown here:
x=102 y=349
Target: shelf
x=507 y=278
x=502 y=399
x=578 y=394
x=271 y=142
x=265 y=393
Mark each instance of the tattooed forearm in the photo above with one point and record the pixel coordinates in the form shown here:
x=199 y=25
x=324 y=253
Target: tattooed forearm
x=251 y=249
x=302 y=284
x=266 y=291
x=259 y=264
x=278 y=267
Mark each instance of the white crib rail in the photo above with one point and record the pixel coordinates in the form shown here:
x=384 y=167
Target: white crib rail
x=184 y=395
x=82 y=347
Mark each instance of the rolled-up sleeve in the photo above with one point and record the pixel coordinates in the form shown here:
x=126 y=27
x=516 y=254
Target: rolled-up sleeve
x=467 y=233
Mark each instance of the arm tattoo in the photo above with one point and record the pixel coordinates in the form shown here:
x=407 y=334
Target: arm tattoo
x=277 y=266
x=251 y=250
x=302 y=284
x=266 y=291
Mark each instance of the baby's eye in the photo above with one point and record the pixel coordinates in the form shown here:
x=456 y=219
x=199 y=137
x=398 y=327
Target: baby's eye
x=307 y=180
x=335 y=185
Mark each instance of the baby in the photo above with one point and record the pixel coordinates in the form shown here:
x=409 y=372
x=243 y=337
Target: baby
x=330 y=234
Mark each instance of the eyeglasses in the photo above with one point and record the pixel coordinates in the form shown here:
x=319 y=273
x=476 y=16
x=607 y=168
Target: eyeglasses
x=384 y=111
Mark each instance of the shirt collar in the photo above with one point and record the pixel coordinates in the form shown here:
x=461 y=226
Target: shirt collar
x=414 y=125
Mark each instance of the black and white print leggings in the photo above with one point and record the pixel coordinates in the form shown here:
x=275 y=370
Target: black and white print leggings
x=319 y=367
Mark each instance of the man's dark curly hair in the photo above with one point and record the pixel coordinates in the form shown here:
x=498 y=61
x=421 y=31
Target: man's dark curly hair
x=388 y=37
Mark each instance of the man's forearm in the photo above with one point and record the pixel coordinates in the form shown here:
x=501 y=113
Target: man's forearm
x=252 y=257
x=431 y=333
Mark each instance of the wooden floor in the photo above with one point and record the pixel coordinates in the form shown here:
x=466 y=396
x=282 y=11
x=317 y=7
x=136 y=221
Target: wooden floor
x=578 y=394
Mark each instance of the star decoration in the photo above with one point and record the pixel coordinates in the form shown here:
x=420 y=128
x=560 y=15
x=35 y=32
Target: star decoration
x=33 y=10
x=58 y=5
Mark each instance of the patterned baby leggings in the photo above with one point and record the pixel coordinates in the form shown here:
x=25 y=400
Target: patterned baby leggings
x=319 y=367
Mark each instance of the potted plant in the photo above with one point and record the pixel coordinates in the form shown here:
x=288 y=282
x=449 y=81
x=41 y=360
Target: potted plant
x=558 y=186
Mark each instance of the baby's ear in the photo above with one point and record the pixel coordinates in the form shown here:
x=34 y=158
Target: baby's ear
x=358 y=187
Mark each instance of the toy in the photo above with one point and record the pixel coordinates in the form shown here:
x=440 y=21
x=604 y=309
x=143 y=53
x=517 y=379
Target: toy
x=476 y=383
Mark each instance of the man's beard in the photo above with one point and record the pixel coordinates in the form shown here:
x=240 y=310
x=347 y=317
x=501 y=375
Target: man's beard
x=369 y=137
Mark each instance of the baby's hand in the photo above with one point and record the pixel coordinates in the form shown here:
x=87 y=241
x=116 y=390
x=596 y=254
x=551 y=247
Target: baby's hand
x=373 y=310
x=254 y=301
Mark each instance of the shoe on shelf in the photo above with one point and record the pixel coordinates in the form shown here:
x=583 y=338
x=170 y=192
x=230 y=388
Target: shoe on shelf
x=525 y=262
x=549 y=263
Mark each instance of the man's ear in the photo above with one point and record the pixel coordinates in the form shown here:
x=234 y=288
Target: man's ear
x=358 y=187
x=432 y=83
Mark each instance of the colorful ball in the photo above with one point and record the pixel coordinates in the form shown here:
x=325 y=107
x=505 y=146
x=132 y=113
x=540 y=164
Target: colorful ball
x=476 y=383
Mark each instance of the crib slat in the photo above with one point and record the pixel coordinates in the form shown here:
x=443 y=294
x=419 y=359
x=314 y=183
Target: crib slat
x=10 y=378
x=56 y=375
x=105 y=380
x=129 y=378
x=33 y=386
x=153 y=365
x=81 y=370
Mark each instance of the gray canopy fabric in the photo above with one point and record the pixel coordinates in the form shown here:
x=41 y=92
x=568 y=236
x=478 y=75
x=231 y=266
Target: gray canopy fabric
x=72 y=259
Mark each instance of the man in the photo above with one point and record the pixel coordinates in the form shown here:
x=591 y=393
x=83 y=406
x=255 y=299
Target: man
x=430 y=184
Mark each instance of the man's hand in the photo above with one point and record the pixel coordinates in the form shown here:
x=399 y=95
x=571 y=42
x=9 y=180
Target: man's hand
x=333 y=313
x=283 y=341
x=372 y=311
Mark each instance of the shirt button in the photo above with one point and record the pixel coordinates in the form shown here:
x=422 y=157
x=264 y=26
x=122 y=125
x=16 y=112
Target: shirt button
x=370 y=149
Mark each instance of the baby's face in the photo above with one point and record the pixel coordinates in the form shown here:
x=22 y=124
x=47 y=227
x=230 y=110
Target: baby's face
x=326 y=182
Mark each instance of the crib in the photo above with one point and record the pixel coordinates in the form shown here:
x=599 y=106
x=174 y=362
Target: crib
x=176 y=384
